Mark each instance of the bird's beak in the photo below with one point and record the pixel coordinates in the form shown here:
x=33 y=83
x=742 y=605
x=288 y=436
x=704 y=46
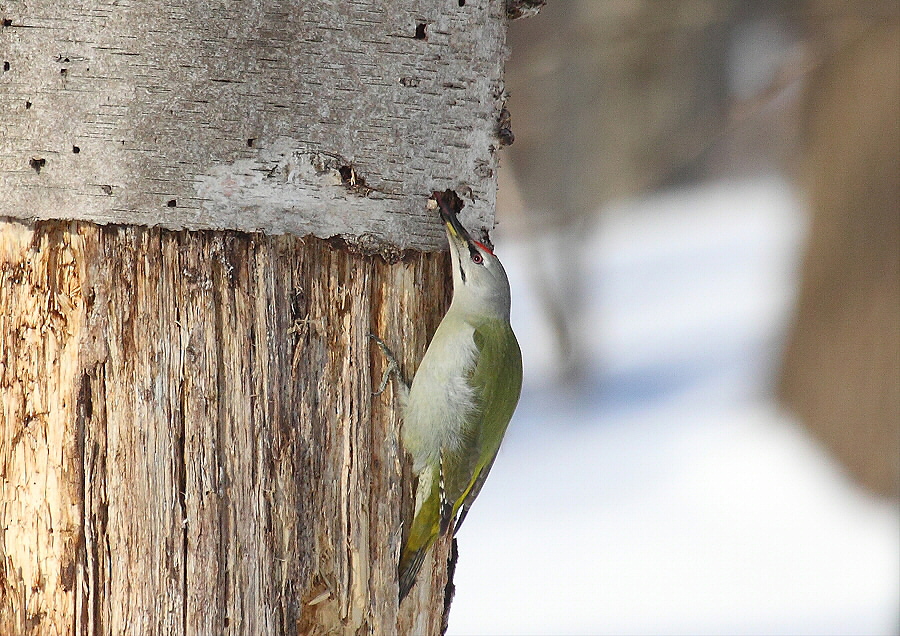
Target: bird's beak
x=449 y=205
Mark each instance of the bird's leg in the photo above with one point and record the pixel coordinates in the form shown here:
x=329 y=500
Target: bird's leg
x=393 y=368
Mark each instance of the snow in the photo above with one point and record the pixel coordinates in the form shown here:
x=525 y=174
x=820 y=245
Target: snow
x=671 y=495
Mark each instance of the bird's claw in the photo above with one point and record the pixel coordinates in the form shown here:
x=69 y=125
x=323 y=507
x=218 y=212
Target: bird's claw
x=393 y=367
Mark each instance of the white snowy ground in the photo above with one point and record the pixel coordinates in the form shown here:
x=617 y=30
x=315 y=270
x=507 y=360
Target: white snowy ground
x=671 y=495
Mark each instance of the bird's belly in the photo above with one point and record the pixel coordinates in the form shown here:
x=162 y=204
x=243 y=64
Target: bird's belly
x=440 y=401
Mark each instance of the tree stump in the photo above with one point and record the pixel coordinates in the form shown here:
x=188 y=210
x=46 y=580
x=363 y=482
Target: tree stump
x=206 y=210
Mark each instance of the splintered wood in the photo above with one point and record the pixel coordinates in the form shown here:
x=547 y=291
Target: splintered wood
x=188 y=439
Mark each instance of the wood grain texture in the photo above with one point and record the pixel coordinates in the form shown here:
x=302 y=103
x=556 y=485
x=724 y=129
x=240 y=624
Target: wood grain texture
x=274 y=116
x=188 y=442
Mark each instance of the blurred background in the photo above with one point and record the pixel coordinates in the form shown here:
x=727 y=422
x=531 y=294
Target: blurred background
x=700 y=217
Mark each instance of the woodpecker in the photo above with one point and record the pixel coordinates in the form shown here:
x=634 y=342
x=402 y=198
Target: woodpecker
x=462 y=396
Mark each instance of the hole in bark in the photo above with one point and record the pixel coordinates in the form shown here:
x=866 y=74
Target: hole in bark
x=7 y=22
x=250 y=142
x=107 y=189
x=37 y=164
x=63 y=71
x=5 y=66
x=420 y=31
x=67 y=575
x=462 y=3
x=76 y=149
x=171 y=203
x=504 y=129
x=353 y=181
x=27 y=105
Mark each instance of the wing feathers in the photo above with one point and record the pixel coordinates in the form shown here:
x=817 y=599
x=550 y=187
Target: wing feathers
x=460 y=472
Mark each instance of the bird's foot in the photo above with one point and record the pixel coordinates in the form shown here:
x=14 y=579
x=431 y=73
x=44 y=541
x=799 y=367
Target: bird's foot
x=393 y=367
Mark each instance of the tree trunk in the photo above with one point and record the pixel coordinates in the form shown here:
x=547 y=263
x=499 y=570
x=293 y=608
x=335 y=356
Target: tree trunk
x=842 y=366
x=188 y=438
x=610 y=99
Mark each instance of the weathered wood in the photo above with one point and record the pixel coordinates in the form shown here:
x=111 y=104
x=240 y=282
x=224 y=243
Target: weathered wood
x=323 y=118
x=189 y=442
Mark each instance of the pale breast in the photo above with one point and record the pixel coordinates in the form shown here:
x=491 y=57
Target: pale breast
x=440 y=399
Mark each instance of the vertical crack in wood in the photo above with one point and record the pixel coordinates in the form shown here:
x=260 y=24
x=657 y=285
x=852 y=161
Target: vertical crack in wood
x=181 y=459
x=345 y=339
x=84 y=609
x=80 y=558
x=90 y=531
x=348 y=526
x=98 y=530
x=449 y=588
x=223 y=580
x=99 y=421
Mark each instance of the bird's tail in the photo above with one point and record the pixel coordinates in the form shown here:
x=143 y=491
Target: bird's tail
x=425 y=528
x=410 y=563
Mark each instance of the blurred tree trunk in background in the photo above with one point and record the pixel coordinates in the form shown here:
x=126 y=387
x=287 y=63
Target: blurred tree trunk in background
x=609 y=99
x=841 y=371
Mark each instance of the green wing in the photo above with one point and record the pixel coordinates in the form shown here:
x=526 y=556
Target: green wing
x=457 y=480
x=497 y=378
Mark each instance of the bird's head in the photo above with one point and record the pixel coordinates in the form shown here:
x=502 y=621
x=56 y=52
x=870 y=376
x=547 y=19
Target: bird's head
x=480 y=285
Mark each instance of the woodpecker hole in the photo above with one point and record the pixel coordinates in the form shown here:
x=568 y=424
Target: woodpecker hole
x=250 y=142
x=63 y=71
x=462 y=3
x=7 y=22
x=27 y=105
x=37 y=164
x=420 y=31
x=5 y=66
x=352 y=180
x=75 y=150
x=107 y=189
x=171 y=203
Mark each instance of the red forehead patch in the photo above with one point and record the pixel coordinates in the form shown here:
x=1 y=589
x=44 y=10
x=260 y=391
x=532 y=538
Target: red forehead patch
x=484 y=247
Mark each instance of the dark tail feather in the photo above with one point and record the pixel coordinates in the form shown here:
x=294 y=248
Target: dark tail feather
x=410 y=564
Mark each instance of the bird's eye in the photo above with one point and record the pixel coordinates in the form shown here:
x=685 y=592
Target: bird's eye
x=477 y=258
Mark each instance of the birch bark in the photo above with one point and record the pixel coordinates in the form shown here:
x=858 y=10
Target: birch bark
x=208 y=207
